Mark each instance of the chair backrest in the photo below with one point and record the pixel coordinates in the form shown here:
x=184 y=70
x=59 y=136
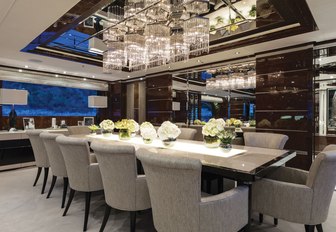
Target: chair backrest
x=330 y=147
x=117 y=163
x=322 y=178
x=187 y=133
x=78 y=130
x=265 y=140
x=76 y=154
x=54 y=153
x=40 y=153
x=174 y=189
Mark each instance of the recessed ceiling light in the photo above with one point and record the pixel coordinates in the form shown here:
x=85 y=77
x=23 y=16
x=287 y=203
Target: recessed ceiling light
x=56 y=75
x=84 y=79
x=141 y=79
x=93 y=76
x=26 y=66
x=237 y=53
x=64 y=72
x=199 y=61
x=20 y=70
x=128 y=76
x=168 y=66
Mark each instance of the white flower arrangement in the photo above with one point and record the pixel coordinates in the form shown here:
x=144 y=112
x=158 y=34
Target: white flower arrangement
x=237 y=123
x=134 y=126
x=146 y=125
x=148 y=133
x=168 y=131
x=107 y=125
x=214 y=127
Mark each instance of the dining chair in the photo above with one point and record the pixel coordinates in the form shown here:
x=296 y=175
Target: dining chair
x=124 y=189
x=174 y=185
x=265 y=140
x=298 y=196
x=187 y=133
x=40 y=155
x=56 y=161
x=78 y=130
x=83 y=175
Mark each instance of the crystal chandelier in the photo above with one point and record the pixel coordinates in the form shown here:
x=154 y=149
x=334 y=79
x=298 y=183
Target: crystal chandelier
x=149 y=33
x=232 y=81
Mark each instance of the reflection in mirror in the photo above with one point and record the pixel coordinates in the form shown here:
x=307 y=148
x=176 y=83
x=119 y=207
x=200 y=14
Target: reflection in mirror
x=220 y=92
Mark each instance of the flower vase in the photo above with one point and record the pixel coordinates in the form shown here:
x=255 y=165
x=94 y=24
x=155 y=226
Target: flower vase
x=226 y=146
x=124 y=134
x=169 y=142
x=107 y=133
x=211 y=141
x=238 y=129
x=147 y=141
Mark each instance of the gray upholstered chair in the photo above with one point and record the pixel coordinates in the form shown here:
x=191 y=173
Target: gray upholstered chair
x=298 y=196
x=124 y=189
x=83 y=175
x=40 y=154
x=56 y=161
x=187 y=133
x=78 y=130
x=266 y=140
x=174 y=185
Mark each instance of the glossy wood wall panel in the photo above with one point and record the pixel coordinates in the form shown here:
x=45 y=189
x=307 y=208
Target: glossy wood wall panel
x=284 y=100
x=159 y=98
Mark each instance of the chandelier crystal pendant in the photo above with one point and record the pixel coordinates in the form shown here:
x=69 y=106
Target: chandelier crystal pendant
x=114 y=57
x=178 y=47
x=157 y=44
x=232 y=81
x=196 y=34
x=135 y=52
x=196 y=6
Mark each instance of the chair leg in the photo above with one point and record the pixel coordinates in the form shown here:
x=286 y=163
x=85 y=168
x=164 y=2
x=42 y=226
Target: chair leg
x=39 y=169
x=275 y=221
x=46 y=172
x=65 y=189
x=53 y=181
x=106 y=217
x=87 y=209
x=319 y=228
x=133 y=220
x=261 y=218
x=310 y=228
x=71 y=196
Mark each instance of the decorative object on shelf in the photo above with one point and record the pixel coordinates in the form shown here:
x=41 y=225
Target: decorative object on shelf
x=147 y=132
x=88 y=121
x=226 y=137
x=168 y=132
x=197 y=122
x=107 y=126
x=252 y=123
x=149 y=33
x=93 y=128
x=211 y=131
x=13 y=97
x=232 y=81
x=237 y=124
x=126 y=128
x=28 y=123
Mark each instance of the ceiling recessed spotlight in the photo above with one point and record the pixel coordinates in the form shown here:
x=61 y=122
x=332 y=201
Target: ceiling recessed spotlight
x=169 y=67
x=93 y=76
x=128 y=76
x=141 y=79
x=64 y=72
x=237 y=53
x=199 y=61
x=20 y=70
x=56 y=75
x=84 y=79
x=26 y=66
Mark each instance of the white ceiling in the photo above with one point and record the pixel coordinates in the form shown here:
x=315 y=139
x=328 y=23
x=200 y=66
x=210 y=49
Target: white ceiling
x=21 y=21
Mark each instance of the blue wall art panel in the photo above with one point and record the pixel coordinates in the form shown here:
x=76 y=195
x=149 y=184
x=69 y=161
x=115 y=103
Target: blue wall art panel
x=45 y=100
x=206 y=113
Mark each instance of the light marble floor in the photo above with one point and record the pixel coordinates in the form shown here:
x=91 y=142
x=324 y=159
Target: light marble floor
x=24 y=209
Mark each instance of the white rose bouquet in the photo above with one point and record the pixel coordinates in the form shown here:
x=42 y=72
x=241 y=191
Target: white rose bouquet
x=107 y=125
x=168 y=131
x=214 y=127
x=134 y=126
x=146 y=125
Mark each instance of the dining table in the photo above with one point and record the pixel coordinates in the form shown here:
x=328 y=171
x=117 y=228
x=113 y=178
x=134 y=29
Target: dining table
x=244 y=164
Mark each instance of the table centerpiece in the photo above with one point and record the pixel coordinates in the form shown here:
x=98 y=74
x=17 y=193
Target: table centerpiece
x=211 y=130
x=107 y=126
x=168 y=132
x=147 y=132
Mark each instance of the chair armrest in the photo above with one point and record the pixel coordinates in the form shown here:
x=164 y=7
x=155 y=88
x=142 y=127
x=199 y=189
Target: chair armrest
x=93 y=158
x=95 y=180
x=142 y=194
x=290 y=175
x=288 y=201
x=225 y=212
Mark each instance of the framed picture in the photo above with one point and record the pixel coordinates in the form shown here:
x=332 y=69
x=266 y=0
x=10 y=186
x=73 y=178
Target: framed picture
x=79 y=123
x=28 y=123
x=88 y=121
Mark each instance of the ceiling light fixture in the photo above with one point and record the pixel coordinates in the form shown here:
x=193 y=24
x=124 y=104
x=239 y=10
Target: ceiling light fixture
x=20 y=70
x=150 y=33
x=26 y=66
